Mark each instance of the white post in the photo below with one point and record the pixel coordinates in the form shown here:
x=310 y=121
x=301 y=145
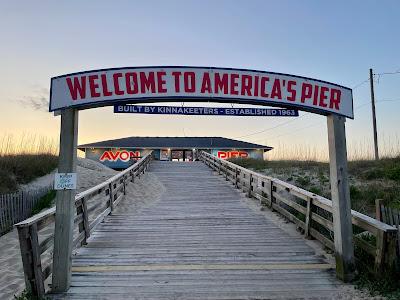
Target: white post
x=65 y=203
x=341 y=207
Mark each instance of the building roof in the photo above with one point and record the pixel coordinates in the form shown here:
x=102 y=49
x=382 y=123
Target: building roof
x=175 y=142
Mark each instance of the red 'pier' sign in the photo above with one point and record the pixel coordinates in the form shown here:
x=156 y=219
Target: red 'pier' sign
x=157 y=84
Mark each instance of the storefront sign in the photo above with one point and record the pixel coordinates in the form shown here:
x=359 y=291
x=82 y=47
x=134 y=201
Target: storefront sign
x=119 y=155
x=232 y=154
x=198 y=84
x=205 y=111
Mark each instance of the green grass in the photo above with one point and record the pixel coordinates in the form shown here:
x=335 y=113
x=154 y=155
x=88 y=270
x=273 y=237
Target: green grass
x=25 y=295
x=375 y=179
x=16 y=169
x=44 y=202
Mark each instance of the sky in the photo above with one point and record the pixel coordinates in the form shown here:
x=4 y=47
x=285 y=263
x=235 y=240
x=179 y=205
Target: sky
x=331 y=41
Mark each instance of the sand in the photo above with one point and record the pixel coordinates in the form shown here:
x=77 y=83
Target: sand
x=90 y=173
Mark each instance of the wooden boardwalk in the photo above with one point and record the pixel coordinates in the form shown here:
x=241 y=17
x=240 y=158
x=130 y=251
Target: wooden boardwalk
x=199 y=241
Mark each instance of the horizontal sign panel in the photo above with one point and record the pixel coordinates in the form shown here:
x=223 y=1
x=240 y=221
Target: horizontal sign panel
x=157 y=84
x=204 y=111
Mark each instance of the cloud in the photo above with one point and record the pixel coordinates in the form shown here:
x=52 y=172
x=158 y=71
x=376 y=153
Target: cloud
x=39 y=100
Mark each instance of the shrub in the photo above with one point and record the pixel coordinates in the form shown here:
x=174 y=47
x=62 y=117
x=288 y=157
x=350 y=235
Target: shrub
x=44 y=202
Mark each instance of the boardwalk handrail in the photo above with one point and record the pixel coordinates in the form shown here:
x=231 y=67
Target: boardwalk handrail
x=311 y=212
x=36 y=250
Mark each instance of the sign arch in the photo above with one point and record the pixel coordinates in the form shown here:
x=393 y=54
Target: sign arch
x=76 y=91
x=105 y=87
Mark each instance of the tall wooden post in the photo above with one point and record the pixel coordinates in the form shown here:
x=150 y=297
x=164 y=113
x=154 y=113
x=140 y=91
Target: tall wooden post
x=341 y=207
x=65 y=203
x=371 y=81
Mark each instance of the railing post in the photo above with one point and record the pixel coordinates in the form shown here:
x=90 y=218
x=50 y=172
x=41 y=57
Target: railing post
x=271 y=193
x=250 y=185
x=307 y=228
x=85 y=222
x=124 y=183
x=36 y=261
x=236 y=178
x=219 y=167
x=132 y=176
x=26 y=254
x=111 y=189
x=226 y=173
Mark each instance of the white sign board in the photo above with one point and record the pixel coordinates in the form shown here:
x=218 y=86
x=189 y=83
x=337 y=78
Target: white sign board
x=198 y=84
x=65 y=181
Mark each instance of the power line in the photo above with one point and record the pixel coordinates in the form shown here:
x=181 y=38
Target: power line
x=318 y=123
x=270 y=128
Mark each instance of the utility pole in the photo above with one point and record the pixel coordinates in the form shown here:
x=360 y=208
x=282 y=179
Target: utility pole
x=371 y=81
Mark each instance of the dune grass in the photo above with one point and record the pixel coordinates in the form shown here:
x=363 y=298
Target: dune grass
x=24 y=159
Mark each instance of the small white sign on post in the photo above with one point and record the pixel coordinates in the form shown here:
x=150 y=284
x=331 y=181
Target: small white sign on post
x=65 y=181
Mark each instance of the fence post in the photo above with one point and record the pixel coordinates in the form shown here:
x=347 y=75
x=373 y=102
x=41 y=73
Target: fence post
x=226 y=173
x=378 y=213
x=271 y=191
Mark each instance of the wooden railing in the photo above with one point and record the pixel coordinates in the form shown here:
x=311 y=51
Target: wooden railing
x=312 y=213
x=36 y=234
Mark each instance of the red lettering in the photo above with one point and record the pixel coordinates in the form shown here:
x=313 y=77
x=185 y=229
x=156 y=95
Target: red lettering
x=306 y=92
x=176 y=77
x=147 y=83
x=221 y=154
x=323 y=96
x=291 y=90
x=105 y=156
x=276 y=89
x=77 y=87
x=316 y=92
x=117 y=90
x=131 y=83
x=264 y=87
x=247 y=81
x=256 y=79
x=115 y=155
x=93 y=85
x=161 y=82
x=234 y=84
x=221 y=83
x=206 y=84
x=335 y=98
x=106 y=92
x=189 y=77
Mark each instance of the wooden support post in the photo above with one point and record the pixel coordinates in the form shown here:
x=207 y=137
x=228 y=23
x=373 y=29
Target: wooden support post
x=124 y=183
x=250 y=184
x=341 y=207
x=307 y=233
x=236 y=177
x=85 y=216
x=26 y=254
x=65 y=203
x=271 y=191
x=111 y=189
x=36 y=261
